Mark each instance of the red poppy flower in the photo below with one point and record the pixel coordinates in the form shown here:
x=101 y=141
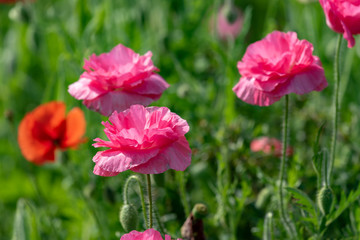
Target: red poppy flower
x=46 y=128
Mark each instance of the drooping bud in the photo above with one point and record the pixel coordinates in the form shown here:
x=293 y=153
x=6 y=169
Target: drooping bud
x=229 y=21
x=128 y=217
x=263 y=197
x=20 y=13
x=325 y=199
x=199 y=211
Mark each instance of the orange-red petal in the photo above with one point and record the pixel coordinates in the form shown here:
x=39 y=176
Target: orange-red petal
x=35 y=149
x=75 y=128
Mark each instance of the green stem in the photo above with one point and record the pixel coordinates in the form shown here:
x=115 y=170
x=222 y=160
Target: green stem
x=150 y=200
x=181 y=180
x=126 y=198
x=336 y=102
x=162 y=230
x=290 y=229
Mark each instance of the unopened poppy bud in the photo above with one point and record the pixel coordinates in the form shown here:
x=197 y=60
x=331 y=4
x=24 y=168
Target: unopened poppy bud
x=20 y=13
x=128 y=217
x=230 y=13
x=325 y=199
x=199 y=211
x=263 y=198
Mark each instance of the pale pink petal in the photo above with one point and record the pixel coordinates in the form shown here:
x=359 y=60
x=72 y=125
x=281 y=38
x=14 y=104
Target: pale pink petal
x=122 y=160
x=116 y=101
x=82 y=90
x=348 y=36
x=147 y=140
x=177 y=156
x=101 y=172
x=247 y=92
x=149 y=234
x=153 y=85
x=116 y=80
x=279 y=64
x=304 y=82
x=343 y=16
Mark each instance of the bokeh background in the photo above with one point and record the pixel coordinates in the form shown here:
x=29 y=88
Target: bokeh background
x=43 y=45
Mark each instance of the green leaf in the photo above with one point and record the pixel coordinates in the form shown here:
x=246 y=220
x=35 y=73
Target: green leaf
x=343 y=205
x=316 y=157
x=25 y=222
x=304 y=201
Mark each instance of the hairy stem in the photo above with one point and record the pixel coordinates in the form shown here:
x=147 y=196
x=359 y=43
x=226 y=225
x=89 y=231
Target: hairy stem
x=150 y=200
x=336 y=103
x=290 y=228
x=126 y=198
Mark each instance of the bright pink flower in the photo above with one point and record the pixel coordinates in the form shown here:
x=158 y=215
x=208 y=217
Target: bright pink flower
x=229 y=22
x=149 y=234
x=343 y=16
x=278 y=65
x=118 y=79
x=271 y=146
x=144 y=140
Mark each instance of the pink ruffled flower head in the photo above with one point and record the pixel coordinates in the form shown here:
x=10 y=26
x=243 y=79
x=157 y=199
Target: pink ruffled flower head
x=229 y=22
x=144 y=140
x=116 y=80
x=270 y=146
x=343 y=16
x=149 y=234
x=278 y=65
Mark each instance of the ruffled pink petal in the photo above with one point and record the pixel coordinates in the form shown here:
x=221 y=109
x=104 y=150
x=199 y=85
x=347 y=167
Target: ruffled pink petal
x=246 y=91
x=348 y=36
x=119 y=161
x=154 y=85
x=101 y=172
x=149 y=234
x=116 y=101
x=162 y=118
x=82 y=90
x=304 y=82
x=177 y=156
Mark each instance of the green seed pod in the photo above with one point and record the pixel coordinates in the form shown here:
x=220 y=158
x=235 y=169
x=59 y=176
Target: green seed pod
x=325 y=199
x=199 y=211
x=263 y=198
x=128 y=217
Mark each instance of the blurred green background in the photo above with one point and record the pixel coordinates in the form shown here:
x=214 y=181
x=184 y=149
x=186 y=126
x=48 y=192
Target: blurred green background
x=43 y=45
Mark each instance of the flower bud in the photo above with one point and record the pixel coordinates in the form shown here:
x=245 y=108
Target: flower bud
x=229 y=22
x=20 y=13
x=325 y=199
x=128 y=217
x=263 y=198
x=199 y=211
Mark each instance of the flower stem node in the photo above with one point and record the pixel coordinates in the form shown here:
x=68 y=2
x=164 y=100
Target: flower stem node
x=325 y=199
x=128 y=217
x=199 y=211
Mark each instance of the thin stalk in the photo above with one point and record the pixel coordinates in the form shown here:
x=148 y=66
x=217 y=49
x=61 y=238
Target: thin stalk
x=150 y=200
x=336 y=102
x=290 y=229
x=181 y=179
x=126 y=198
x=162 y=230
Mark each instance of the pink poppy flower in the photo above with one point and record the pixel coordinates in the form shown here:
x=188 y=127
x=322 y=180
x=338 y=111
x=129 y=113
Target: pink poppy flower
x=270 y=146
x=229 y=22
x=278 y=65
x=149 y=234
x=144 y=140
x=116 y=80
x=343 y=16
